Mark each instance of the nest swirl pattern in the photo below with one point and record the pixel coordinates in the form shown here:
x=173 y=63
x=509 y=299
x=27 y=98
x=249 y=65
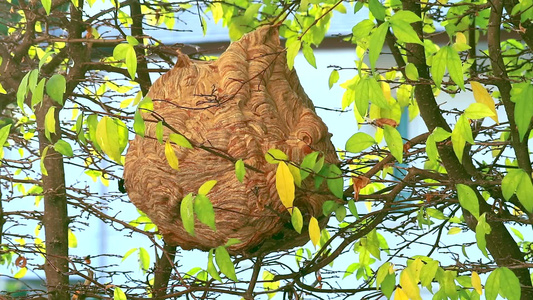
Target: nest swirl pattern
x=241 y=105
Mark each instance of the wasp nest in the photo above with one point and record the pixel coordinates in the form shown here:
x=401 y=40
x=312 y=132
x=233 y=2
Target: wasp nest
x=237 y=107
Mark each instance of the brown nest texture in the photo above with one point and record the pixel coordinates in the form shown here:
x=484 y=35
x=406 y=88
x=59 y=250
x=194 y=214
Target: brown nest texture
x=237 y=107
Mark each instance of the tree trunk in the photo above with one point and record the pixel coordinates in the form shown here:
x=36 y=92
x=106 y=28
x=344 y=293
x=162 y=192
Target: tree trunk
x=55 y=219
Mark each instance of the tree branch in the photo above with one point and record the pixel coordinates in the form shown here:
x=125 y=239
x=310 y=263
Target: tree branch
x=499 y=242
x=163 y=269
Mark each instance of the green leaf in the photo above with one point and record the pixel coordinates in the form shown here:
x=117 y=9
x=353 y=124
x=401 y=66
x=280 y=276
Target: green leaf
x=431 y=148
x=308 y=54
x=455 y=67
x=435 y=213
x=132 y=40
x=517 y=233
x=482 y=229
x=38 y=93
x=362 y=29
x=231 y=242
x=4 y=134
x=138 y=123
x=394 y=142
x=405 y=16
x=376 y=93
x=462 y=133
x=224 y=263
x=274 y=156
x=308 y=164
x=144 y=259
x=333 y=78
x=131 y=62
x=118 y=294
x=55 y=88
x=204 y=210
x=43 y=167
x=180 y=140
x=296 y=176
x=130 y=252
x=521 y=94
x=293 y=47
x=340 y=213
x=377 y=9
x=383 y=271
x=159 y=132
x=22 y=90
x=297 y=220
x=359 y=142
x=187 y=213
x=32 y=79
x=377 y=38
x=492 y=286
x=353 y=208
x=509 y=284
x=411 y=71
x=107 y=136
x=240 y=170
x=328 y=207
x=524 y=190
x=50 y=122
x=388 y=285
x=335 y=182
x=47 y=5
x=468 y=199
x=351 y=269
x=428 y=272
x=211 y=269
x=64 y=148
x=440 y=134
x=438 y=65
x=405 y=32
x=119 y=53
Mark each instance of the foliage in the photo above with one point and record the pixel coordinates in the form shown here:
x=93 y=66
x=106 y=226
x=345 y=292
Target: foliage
x=429 y=214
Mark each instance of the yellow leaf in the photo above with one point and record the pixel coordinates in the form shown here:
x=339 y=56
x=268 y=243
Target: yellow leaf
x=409 y=284
x=285 y=185
x=21 y=273
x=368 y=205
x=385 y=87
x=399 y=294
x=476 y=283
x=415 y=267
x=481 y=95
x=314 y=231
x=72 y=240
x=171 y=156
x=460 y=38
x=454 y=230
x=107 y=136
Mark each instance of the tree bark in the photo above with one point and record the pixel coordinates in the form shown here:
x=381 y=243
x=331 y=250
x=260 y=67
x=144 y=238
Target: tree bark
x=55 y=218
x=163 y=269
x=137 y=30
